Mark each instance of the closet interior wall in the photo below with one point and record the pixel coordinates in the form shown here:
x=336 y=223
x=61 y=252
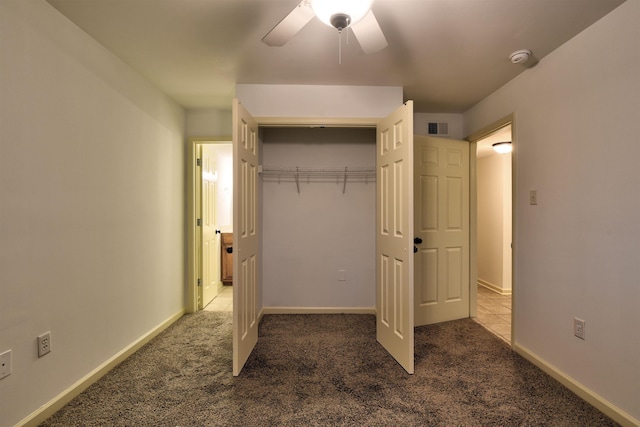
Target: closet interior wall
x=318 y=240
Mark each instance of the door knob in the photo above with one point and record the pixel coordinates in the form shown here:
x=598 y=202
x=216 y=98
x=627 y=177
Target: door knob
x=229 y=250
x=415 y=249
x=417 y=240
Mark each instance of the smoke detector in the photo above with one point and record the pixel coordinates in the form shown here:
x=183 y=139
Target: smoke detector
x=520 y=56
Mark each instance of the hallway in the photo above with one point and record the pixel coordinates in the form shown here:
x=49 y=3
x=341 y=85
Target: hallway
x=494 y=312
x=223 y=301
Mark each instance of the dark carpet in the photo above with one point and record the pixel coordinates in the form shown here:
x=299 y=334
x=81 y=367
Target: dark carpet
x=325 y=370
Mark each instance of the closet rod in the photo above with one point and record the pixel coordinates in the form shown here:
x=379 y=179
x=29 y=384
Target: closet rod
x=318 y=174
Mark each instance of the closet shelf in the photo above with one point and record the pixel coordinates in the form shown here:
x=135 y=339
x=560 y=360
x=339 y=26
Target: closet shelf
x=338 y=175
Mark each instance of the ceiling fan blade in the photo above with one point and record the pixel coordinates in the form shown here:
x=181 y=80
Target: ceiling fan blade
x=369 y=34
x=290 y=25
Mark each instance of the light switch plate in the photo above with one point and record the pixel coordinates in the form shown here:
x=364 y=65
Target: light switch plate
x=5 y=364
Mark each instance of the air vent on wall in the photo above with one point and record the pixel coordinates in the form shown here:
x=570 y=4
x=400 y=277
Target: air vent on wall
x=438 y=129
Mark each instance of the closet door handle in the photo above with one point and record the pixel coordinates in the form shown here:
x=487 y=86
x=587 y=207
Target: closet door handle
x=417 y=240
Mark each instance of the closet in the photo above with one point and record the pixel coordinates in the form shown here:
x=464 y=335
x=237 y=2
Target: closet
x=318 y=204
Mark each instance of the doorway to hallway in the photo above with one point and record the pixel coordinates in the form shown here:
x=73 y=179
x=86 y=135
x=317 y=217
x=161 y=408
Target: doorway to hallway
x=223 y=301
x=494 y=232
x=210 y=213
x=494 y=312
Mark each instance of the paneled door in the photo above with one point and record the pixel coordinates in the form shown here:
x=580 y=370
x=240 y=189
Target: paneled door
x=394 y=235
x=210 y=245
x=441 y=229
x=246 y=249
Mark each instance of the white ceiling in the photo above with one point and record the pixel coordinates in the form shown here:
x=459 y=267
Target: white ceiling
x=447 y=54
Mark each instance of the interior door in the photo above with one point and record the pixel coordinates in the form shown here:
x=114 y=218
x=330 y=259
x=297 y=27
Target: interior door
x=210 y=244
x=394 y=235
x=246 y=248
x=441 y=229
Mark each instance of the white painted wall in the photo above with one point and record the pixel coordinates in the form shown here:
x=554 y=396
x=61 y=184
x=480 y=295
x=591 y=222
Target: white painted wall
x=319 y=101
x=309 y=236
x=494 y=221
x=92 y=236
x=578 y=252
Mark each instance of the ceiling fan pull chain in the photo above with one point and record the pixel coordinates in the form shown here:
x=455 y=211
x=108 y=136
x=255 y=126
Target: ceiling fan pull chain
x=339 y=47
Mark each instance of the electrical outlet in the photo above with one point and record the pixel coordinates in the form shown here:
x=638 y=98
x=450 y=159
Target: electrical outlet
x=44 y=344
x=533 y=197
x=5 y=364
x=579 y=328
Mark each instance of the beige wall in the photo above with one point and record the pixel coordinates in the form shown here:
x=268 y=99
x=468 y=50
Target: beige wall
x=577 y=252
x=208 y=123
x=91 y=205
x=494 y=222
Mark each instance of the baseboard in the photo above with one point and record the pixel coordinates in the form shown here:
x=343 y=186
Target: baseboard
x=318 y=310
x=493 y=287
x=591 y=397
x=55 y=404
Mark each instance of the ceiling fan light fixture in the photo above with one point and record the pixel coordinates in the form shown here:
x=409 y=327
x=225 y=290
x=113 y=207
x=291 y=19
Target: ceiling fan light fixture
x=502 y=147
x=340 y=21
x=330 y=11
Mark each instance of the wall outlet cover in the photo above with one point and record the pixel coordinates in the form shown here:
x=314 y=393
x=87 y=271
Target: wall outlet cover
x=44 y=344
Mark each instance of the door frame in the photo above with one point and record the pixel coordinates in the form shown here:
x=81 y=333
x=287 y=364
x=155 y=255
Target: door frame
x=473 y=217
x=193 y=293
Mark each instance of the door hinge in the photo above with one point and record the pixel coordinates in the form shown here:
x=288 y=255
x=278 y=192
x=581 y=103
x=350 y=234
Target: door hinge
x=199 y=282
x=198 y=222
x=198 y=162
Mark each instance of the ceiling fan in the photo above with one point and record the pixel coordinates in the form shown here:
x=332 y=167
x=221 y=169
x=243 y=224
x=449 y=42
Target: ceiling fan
x=339 y=14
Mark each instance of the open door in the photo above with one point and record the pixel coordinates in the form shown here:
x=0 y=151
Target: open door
x=394 y=235
x=441 y=229
x=246 y=249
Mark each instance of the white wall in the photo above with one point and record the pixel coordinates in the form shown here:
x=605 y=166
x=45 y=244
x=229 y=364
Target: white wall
x=494 y=221
x=92 y=205
x=309 y=236
x=578 y=251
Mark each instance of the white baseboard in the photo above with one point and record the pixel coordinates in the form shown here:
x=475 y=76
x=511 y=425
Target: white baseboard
x=318 y=310
x=55 y=404
x=593 y=398
x=494 y=288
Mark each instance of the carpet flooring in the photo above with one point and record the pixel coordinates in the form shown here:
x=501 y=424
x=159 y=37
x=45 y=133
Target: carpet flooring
x=325 y=370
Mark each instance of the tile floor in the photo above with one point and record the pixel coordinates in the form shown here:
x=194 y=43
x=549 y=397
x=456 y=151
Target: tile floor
x=223 y=301
x=494 y=312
